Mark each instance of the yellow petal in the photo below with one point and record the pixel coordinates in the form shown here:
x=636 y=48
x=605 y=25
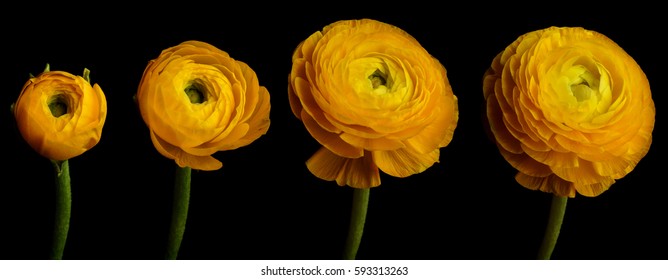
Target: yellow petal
x=438 y=132
x=549 y=184
x=230 y=142
x=453 y=123
x=525 y=164
x=357 y=173
x=615 y=168
x=252 y=91
x=378 y=144
x=295 y=102
x=595 y=189
x=403 y=163
x=553 y=158
x=499 y=129
x=259 y=121
x=583 y=174
x=303 y=92
x=184 y=159
x=330 y=140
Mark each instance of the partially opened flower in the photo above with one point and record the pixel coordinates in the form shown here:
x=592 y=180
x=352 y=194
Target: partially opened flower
x=60 y=115
x=570 y=109
x=374 y=98
x=197 y=100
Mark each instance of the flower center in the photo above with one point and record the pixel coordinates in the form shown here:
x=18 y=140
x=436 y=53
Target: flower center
x=58 y=104
x=195 y=93
x=582 y=86
x=378 y=78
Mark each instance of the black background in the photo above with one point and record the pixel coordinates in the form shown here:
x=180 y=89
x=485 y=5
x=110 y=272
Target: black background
x=263 y=203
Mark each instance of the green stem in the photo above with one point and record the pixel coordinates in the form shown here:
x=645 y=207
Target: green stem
x=63 y=208
x=557 y=211
x=357 y=219
x=179 y=211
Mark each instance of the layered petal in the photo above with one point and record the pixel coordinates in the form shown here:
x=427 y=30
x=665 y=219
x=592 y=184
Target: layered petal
x=197 y=100
x=403 y=163
x=369 y=92
x=355 y=172
x=570 y=109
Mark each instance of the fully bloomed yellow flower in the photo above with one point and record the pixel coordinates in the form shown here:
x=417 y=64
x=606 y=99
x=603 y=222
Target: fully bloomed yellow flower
x=197 y=100
x=569 y=109
x=374 y=98
x=60 y=115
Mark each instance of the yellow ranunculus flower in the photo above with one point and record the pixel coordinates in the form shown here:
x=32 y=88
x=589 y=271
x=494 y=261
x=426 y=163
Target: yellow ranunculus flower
x=569 y=109
x=374 y=98
x=60 y=115
x=197 y=100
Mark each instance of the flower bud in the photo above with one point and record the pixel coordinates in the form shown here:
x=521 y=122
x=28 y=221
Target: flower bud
x=60 y=115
